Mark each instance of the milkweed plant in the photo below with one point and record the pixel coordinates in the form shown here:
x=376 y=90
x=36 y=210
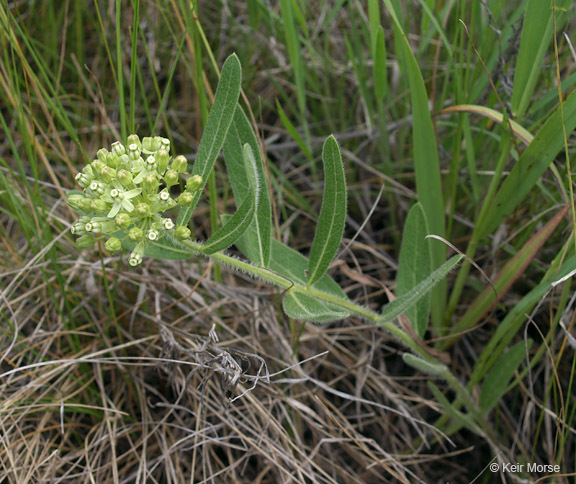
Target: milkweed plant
x=126 y=201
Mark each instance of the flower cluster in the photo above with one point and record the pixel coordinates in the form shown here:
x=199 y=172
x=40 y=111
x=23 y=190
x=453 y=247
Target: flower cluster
x=125 y=193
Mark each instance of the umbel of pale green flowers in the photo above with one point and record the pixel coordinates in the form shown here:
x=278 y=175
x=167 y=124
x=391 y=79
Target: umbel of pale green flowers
x=126 y=192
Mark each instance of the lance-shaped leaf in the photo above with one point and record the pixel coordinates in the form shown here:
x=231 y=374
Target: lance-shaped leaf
x=259 y=234
x=236 y=225
x=332 y=214
x=219 y=120
x=306 y=308
x=414 y=266
x=497 y=379
x=402 y=303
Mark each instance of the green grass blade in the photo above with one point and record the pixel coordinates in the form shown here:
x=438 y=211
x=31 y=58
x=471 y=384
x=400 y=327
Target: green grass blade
x=531 y=165
x=380 y=71
x=217 y=125
x=332 y=214
x=402 y=303
x=497 y=379
x=414 y=266
x=503 y=281
x=426 y=160
x=260 y=232
x=537 y=30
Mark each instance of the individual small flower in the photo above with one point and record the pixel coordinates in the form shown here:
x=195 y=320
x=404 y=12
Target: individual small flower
x=153 y=235
x=134 y=151
x=137 y=254
x=168 y=223
x=83 y=179
x=95 y=189
x=118 y=148
x=120 y=200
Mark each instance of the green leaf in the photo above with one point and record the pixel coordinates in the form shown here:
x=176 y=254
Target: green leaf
x=332 y=214
x=380 y=73
x=497 y=379
x=531 y=165
x=414 y=266
x=537 y=30
x=237 y=225
x=403 y=303
x=219 y=120
x=259 y=234
x=426 y=159
x=306 y=308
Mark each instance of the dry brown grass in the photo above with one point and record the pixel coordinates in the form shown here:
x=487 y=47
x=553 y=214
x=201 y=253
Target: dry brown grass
x=150 y=397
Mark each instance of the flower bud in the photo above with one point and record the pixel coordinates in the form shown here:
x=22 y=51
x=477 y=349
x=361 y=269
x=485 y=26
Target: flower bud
x=82 y=179
x=142 y=210
x=118 y=148
x=79 y=228
x=85 y=242
x=85 y=204
x=133 y=139
x=101 y=154
x=194 y=183
x=108 y=174
x=150 y=144
x=97 y=166
x=123 y=220
x=179 y=164
x=75 y=201
x=98 y=206
x=185 y=199
x=171 y=178
x=182 y=232
x=150 y=184
x=136 y=234
x=112 y=160
x=124 y=177
x=162 y=157
x=113 y=244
